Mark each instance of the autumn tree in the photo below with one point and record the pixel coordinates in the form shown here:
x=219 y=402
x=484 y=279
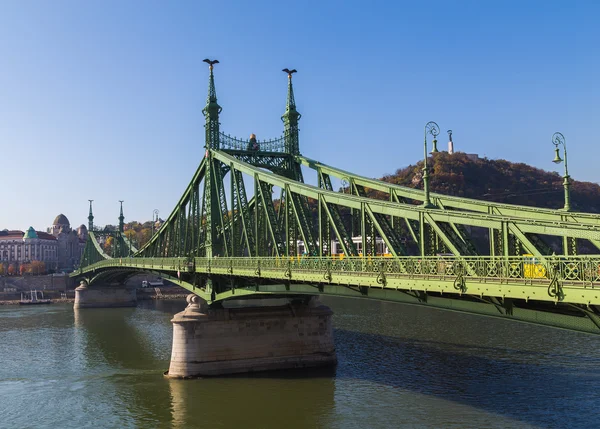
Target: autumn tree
x=143 y=236
x=502 y=181
x=108 y=244
x=137 y=233
x=25 y=269
x=38 y=267
x=12 y=270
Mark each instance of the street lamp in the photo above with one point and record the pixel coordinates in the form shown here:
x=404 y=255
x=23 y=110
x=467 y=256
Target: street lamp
x=345 y=185
x=433 y=129
x=559 y=139
x=154 y=215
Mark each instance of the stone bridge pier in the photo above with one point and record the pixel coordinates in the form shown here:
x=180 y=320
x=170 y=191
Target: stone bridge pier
x=209 y=342
x=104 y=296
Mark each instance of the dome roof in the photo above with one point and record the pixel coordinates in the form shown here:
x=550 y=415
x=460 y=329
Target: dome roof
x=61 y=219
x=82 y=227
x=30 y=233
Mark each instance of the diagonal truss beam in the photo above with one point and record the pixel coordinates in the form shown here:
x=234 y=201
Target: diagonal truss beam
x=455 y=202
x=557 y=228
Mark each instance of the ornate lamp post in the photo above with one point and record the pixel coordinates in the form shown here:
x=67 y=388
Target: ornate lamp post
x=559 y=139
x=433 y=129
x=345 y=185
x=154 y=215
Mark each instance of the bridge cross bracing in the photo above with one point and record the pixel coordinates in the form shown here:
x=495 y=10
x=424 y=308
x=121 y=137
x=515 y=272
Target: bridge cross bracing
x=248 y=226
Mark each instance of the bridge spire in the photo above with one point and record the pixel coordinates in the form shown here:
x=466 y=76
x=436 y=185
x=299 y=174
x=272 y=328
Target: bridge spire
x=211 y=110
x=290 y=118
x=121 y=218
x=90 y=218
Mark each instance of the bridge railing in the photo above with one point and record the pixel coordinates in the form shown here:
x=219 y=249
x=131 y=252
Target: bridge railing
x=233 y=143
x=575 y=269
x=158 y=264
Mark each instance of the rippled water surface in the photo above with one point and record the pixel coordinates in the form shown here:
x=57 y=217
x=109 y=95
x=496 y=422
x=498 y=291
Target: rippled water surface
x=399 y=366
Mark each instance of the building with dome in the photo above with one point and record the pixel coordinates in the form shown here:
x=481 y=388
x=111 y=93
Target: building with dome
x=60 y=248
x=18 y=247
x=70 y=242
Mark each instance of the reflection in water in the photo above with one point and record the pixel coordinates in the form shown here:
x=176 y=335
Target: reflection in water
x=468 y=367
x=111 y=334
x=399 y=366
x=291 y=399
x=116 y=339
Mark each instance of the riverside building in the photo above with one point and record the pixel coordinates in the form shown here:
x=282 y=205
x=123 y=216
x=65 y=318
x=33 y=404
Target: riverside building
x=60 y=248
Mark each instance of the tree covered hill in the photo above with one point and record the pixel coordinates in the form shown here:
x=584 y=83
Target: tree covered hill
x=501 y=181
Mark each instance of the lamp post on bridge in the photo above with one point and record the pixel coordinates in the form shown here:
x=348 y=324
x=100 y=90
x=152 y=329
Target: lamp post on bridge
x=558 y=139
x=154 y=215
x=433 y=129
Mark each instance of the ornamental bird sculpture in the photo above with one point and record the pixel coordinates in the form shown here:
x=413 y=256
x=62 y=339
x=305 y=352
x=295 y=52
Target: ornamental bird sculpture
x=210 y=62
x=289 y=72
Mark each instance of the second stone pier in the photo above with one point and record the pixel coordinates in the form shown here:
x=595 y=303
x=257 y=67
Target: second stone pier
x=104 y=297
x=236 y=340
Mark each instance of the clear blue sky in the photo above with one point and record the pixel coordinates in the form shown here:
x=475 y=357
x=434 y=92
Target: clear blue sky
x=103 y=99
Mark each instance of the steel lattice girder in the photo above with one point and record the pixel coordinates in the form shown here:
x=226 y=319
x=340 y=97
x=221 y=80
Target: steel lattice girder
x=201 y=220
x=456 y=202
x=515 y=299
x=397 y=193
x=573 y=279
x=523 y=225
x=192 y=188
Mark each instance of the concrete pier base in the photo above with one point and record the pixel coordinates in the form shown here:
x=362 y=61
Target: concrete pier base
x=104 y=297
x=237 y=340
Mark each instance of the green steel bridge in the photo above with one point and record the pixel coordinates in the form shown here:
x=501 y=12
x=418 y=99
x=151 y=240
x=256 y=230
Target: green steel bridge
x=247 y=226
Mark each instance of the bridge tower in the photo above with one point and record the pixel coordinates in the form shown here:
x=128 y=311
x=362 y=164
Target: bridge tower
x=121 y=218
x=214 y=195
x=288 y=200
x=290 y=118
x=90 y=218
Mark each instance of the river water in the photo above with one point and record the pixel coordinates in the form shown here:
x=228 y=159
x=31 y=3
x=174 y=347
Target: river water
x=399 y=366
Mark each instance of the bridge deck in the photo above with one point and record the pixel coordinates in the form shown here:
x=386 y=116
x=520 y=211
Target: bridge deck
x=575 y=281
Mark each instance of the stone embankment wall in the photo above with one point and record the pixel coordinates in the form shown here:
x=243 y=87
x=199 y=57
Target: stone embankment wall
x=54 y=287
x=27 y=283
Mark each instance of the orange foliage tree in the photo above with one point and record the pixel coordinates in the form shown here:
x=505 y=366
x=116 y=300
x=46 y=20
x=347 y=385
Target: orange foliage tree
x=108 y=244
x=38 y=267
x=25 y=269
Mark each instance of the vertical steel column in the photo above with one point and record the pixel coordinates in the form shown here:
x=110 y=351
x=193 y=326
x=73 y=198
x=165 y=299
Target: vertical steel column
x=320 y=215
x=211 y=195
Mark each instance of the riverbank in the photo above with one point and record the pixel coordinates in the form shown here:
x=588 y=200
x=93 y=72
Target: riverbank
x=17 y=301
x=140 y=297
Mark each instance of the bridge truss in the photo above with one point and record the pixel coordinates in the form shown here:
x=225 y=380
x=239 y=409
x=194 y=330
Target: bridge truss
x=248 y=226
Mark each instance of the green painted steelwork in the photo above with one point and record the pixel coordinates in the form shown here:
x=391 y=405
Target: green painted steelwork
x=562 y=286
x=577 y=278
x=401 y=192
x=90 y=218
x=247 y=226
x=558 y=139
x=433 y=129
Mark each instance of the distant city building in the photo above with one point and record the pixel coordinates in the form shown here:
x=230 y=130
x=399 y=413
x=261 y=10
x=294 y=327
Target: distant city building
x=70 y=242
x=60 y=248
x=22 y=247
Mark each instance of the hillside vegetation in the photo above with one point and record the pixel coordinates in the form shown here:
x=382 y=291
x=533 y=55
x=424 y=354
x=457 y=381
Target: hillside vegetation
x=498 y=180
